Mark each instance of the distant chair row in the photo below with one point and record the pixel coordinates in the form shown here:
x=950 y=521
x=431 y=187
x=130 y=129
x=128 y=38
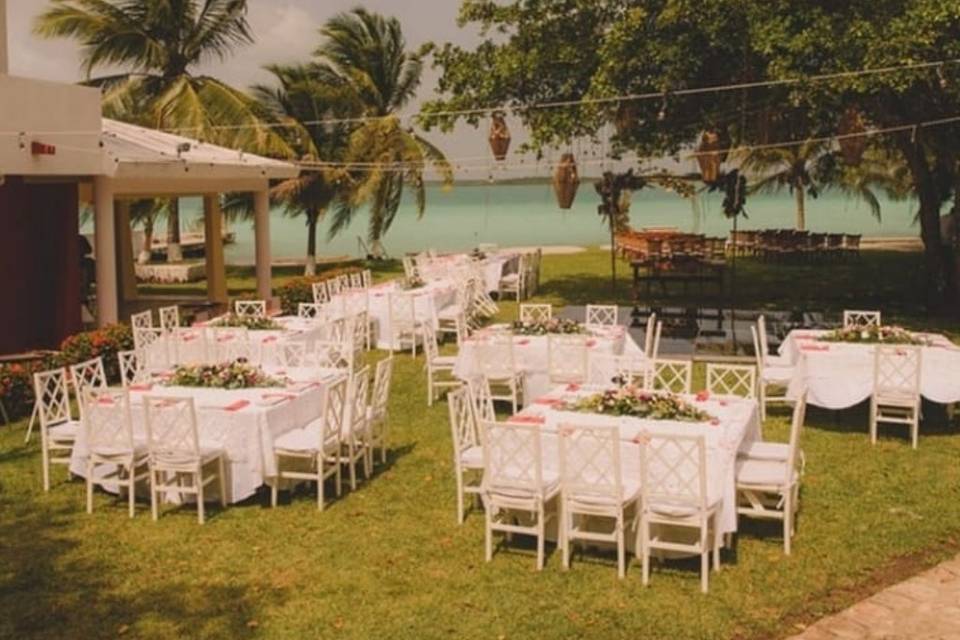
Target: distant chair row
x=779 y=244
x=325 y=290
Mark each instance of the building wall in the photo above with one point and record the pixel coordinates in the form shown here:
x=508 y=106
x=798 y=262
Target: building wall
x=39 y=264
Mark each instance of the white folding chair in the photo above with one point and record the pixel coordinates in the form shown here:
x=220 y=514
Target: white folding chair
x=768 y=373
x=296 y=354
x=110 y=444
x=896 y=389
x=154 y=346
x=592 y=487
x=673 y=376
x=514 y=282
x=177 y=455
x=482 y=400
x=534 y=313
x=567 y=359
x=132 y=368
x=769 y=489
x=333 y=355
x=250 y=308
x=497 y=365
x=732 y=380
x=311 y=311
x=229 y=344
x=142 y=320
x=189 y=346
x=467 y=452
x=366 y=278
x=58 y=430
x=651 y=342
x=673 y=481
x=334 y=287
x=514 y=479
x=169 y=318
x=607 y=369
x=377 y=412
x=602 y=315
x=439 y=368
x=321 y=294
x=356 y=280
x=404 y=326
x=355 y=435
x=87 y=375
x=318 y=443
x=860 y=319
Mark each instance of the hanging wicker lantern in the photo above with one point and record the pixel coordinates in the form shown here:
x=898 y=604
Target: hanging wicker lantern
x=852 y=146
x=708 y=156
x=566 y=179
x=499 y=136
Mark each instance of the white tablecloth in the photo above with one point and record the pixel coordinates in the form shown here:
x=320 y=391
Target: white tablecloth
x=737 y=425
x=246 y=434
x=840 y=375
x=530 y=356
x=429 y=300
x=494 y=266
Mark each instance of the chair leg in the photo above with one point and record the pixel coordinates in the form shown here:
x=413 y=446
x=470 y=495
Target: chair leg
x=223 y=481
x=717 y=538
x=460 y=514
x=621 y=549
x=487 y=535
x=787 y=521
x=873 y=422
x=46 y=465
x=131 y=489
x=351 y=452
x=339 y=477
x=540 y=538
x=645 y=550
x=566 y=524
x=154 y=510
x=89 y=487
x=704 y=559
x=429 y=388
x=915 y=427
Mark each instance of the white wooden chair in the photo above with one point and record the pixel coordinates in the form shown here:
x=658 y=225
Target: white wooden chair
x=321 y=294
x=514 y=480
x=133 y=368
x=896 y=389
x=154 y=345
x=498 y=366
x=467 y=451
x=356 y=280
x=358 y=327
x=482 y=399
x=110 y=444
x=366 y=278
x=378 y=414
x=453 y=318
x=355 y=435
x=853 y=319
x=229 y=344
x=567 y=359
x=177 y=455
x=58 y=430
x=87 y=375
x=534 y=313
x=357 y=307
x=296 y=354
x=673 y=376
x=333 y=356
x=404 y=326
x=334 y=287
x=318 y=443
x=732 y=380
x=439 y=368
x=250 y=308
x=673 y=481
x=311 y=310
x=769 y=489
x=169 y=318
x=514 y=283
x=607 y=369
x=142 y=320
x=769 y=371
x=189 y=346
x=592 y=488
x=602 y=315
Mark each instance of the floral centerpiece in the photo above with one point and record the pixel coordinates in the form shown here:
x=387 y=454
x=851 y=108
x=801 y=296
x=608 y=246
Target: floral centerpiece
x=634 y=402
x=553 y=325
x=253 y=323
x=412 y=282
x=873 y=335
x=231 y=375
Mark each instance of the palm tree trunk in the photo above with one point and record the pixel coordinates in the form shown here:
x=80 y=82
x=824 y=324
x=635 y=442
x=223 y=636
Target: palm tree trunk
x=174 y=252
x=800 y=198
x=311 y=267
x=146 y=251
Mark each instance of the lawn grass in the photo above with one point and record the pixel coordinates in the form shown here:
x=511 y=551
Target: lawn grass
x=390 y=561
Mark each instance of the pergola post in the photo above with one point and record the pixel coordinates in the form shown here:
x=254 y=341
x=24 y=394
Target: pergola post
x=261 y=226
x=213 y=242
x=104 y=239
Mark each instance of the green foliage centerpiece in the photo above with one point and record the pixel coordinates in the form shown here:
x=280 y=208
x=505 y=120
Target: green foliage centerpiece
x=231 y=375
x=633 y=402
x=873 y=335
x=553 y=325
x=253 y=323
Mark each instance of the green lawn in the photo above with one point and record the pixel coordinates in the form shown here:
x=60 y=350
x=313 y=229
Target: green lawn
x=390 y=561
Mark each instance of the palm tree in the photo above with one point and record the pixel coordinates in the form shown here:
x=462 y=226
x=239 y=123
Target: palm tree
x=366 y=55
x=793 y=167
x=158 y=44
x=146 y=213
x=306 y=96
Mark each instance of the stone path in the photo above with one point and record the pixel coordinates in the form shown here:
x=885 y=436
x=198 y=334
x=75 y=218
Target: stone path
x=925 y=607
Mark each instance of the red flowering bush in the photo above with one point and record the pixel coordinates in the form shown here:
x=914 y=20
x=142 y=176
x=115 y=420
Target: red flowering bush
x=16 y=388
x=103 y=343
x=298 y=290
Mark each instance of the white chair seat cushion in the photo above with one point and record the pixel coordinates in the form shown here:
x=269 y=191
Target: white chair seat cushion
x=306 y=439
x=65 y=431
x=450 y=312
x=765 y=451
x=510 y=278
x=893 y=398
x=472 y=457
x=631 y=491
x=778 y=374
x=444 y=362
x=139 y=451
x=762 y=472
x=675 y=510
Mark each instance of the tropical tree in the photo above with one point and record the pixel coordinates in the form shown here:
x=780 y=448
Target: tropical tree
x=146 y=213
x=158 y=45
x=365 y=55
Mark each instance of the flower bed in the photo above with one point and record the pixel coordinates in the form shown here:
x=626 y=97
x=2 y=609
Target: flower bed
x=874 y=335
x=634 y=402
x=233 y=375
x=298 y=290
x=253 y=323
x=553 y=325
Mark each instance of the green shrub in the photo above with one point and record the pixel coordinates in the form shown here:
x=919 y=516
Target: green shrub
x=105 y=342
x=298 y=290
x=16 y=387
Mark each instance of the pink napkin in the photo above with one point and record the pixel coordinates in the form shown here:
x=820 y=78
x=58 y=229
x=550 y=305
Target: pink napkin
x=522 y=419
x=591 y=343
x=548 y=401
x=815 y=347
x=189 y=337
x=522 y=343
x=236 y=406
x=300 y=387
x=226 y=338
x=573 y=387
x=269 y=339
x=144 y=386
x=278 y=397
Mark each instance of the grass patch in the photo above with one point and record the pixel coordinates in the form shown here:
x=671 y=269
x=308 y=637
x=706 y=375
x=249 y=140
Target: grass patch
x=389 y=559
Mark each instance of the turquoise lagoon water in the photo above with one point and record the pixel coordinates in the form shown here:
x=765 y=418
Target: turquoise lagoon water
x=527 y=214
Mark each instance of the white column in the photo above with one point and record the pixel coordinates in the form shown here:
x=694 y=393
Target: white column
x=4 y=64
x=261 y=226
x=104 y=234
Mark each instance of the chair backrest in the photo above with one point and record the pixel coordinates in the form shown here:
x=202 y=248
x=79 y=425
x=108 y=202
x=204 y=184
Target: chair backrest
x=674 y=376
x=673 y=470
x=107 y=420
x=590 y=463
x=463 y=421
x=430 y=348
x=295 y=353
x=310 y=310
x=796 y=426
x=172 y=436
x=151 y=343
x=232 y=343
x=366 y=278
x=359 y=399
x=358 y=326
x=567 y=358
x=320 y=293
x=250 y=308
x=334 y=287
x=602 y=315
x=142 y=320
x=52 y=397
x=762 y=337
x=402 y=307
x=337 y=330
x=133 y=368
x=608 y=369
x=169 y=318
x=334 y=410
x=329 y=354
x=381 y=386
x=858 y=319
x=495 y=356
x=88 y=374
x=732 y=380
x=190 y=345
x=512 y=459
x=757 y=349
x=356 y=280
x=649 y=335
x=534 y=313
x=896 y=370
x=482 y=398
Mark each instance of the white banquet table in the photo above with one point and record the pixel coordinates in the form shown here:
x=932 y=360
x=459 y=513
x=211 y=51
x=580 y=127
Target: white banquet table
x=838 y=375
x=244 y=422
